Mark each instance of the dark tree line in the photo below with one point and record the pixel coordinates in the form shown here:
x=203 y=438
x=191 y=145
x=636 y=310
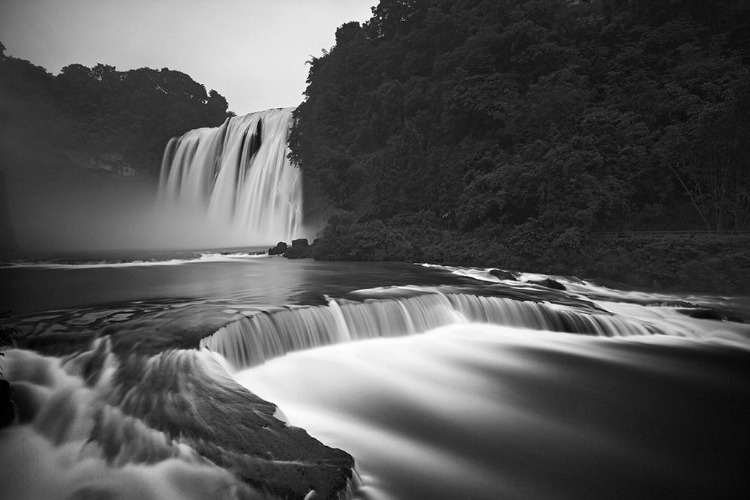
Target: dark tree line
x=533 y=121
x=84 y=112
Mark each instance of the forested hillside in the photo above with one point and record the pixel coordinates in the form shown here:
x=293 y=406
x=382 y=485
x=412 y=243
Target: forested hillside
x=98 y=117
x=529 y=124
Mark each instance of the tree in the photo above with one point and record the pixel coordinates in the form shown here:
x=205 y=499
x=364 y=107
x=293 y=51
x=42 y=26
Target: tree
x=537 y=121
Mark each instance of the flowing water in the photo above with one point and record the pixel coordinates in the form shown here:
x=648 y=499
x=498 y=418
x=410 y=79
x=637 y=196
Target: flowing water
x=485 y=412
x=440 y=382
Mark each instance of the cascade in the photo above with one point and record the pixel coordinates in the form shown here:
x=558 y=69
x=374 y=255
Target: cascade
x=98 y=425
x=236 y=177
x=254 y=339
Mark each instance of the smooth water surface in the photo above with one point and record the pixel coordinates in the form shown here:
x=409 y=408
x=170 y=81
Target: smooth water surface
x=40 y=285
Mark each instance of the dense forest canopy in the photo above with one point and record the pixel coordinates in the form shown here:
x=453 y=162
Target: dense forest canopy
x=84 y=113
x=533 y=121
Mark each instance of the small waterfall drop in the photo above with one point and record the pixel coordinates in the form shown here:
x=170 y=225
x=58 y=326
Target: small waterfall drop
x=235 y=182
x=255 y=339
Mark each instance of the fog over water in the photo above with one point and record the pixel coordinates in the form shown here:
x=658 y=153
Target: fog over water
x=82 y=211
x=106 y=212
x=227 y=186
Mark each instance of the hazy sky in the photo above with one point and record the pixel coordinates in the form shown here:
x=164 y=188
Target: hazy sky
x=253 y=52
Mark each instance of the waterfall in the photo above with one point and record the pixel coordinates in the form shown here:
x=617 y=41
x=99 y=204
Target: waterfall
x=235 y=181
x=252 y=340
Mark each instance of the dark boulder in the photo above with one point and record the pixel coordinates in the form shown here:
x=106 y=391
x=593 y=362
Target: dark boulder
x=295 y=253
x=703 y=313
x=549 y=283
x=6 y=405
x=279 y=249
x=503 y=275
x=709 y=313
x=300 y=250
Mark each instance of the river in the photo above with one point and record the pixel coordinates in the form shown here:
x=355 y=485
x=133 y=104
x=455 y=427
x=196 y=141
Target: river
x=440 y=382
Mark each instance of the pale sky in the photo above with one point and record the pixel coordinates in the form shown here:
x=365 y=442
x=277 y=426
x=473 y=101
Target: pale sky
x=253 y=52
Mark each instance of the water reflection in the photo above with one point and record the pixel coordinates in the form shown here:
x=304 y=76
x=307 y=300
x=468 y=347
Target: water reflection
x=252 y=279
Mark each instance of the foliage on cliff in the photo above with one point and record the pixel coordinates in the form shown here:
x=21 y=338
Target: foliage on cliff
x=534 y=122
x=84 y=112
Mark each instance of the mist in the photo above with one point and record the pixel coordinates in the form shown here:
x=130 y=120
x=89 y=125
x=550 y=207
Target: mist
x=78 y=209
